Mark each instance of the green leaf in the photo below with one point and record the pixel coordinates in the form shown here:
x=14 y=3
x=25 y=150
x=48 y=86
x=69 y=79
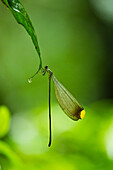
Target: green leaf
x=21 y=16
x=4 y=120
x=14 y=158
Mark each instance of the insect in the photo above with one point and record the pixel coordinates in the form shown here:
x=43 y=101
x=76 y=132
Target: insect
x=67 y=102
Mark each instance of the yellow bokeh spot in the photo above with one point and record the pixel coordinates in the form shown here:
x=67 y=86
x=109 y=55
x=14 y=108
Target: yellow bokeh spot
x=82 y=114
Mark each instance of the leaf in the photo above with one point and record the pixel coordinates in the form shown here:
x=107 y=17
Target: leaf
x=4 y=120
x=14 y=158
x=21 y=16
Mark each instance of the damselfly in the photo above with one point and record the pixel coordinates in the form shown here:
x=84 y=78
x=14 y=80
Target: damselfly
x=67 y=102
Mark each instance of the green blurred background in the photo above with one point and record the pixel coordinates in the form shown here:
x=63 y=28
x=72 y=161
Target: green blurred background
x=76 y=42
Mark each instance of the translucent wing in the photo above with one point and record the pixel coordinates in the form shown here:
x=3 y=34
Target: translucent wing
x=67 y=102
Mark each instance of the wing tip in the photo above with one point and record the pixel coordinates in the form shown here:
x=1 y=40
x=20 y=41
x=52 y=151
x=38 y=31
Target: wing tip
x=82 y=114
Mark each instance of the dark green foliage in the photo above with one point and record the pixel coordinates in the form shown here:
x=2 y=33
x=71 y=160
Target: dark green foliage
x=22 y=18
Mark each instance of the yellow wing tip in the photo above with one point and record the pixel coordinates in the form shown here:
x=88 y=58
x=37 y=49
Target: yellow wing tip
x=82 y=114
